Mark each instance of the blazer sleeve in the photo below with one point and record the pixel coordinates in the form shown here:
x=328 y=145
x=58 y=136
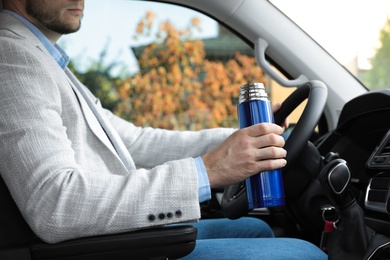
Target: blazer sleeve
x=153 y=146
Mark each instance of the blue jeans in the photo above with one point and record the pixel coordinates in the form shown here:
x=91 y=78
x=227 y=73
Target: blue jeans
x=247 y=238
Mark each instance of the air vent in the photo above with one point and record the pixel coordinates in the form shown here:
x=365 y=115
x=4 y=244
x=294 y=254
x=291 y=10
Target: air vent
x=380 y=158
x=377 y=194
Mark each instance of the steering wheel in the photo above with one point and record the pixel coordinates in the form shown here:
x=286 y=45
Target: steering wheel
x=234 y=201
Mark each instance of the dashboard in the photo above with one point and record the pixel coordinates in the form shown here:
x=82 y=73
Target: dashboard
x=362 y=140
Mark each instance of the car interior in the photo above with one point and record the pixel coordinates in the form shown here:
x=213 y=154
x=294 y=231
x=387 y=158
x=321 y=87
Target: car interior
x=338 y=156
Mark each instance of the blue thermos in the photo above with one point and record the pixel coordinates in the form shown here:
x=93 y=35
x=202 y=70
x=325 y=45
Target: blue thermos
x=264 y=189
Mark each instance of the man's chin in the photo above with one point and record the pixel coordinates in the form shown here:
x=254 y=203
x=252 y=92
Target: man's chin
x=65 y=29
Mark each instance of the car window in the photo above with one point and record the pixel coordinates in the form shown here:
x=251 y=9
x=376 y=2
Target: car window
x=355 y=33
x=155 y=69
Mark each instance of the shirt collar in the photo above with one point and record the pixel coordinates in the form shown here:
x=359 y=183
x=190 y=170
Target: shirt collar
x=55 y=51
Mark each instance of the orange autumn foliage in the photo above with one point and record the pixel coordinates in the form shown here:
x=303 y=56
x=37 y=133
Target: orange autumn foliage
x=177 y=87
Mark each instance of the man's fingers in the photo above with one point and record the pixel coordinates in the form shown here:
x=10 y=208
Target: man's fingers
x=262 y=129
x=266 y=165
x=276 y=107
x=269 y=140
x=270 y=153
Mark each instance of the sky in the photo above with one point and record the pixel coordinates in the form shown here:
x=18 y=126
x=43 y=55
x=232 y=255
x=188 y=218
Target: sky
x=344 y=33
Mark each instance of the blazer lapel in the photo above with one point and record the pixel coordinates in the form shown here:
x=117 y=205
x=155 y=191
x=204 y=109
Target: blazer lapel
x=92 y=120
x=97 y=128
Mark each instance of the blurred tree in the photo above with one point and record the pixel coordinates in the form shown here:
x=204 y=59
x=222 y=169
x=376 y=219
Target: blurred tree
x=177 y=87
x=378 y=77
x=98 y=78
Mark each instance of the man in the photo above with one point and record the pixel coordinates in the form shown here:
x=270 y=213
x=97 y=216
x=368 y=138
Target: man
x=75 y=169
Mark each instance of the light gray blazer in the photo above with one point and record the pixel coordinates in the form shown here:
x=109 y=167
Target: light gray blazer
x=59 y=165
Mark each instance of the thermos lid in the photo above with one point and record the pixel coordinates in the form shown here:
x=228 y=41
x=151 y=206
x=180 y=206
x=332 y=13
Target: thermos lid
x=252 y=91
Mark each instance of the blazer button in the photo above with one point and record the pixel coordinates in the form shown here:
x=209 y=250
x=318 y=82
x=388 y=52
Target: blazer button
x=169 y=215
x=178 y=213
x=161 y=216
x=151 y=217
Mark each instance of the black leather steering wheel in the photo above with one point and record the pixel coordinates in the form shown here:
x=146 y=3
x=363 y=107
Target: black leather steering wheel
x=234 y=201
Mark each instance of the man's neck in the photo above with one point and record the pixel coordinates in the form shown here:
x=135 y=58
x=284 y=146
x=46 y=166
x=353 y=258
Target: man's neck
x=55 y=51
x=52 y=36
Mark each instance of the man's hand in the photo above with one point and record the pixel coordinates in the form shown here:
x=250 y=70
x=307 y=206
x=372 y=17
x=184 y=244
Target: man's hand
x=246 y=152
x=275 y=108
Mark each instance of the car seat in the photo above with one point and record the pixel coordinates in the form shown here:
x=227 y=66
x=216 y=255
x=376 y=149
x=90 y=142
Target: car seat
x=17 y=240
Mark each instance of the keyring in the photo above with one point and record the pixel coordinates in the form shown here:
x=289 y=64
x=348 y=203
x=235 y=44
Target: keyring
x=327 y=209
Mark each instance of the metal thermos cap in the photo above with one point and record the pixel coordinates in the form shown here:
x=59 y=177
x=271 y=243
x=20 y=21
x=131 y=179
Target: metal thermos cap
x=252 y=91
